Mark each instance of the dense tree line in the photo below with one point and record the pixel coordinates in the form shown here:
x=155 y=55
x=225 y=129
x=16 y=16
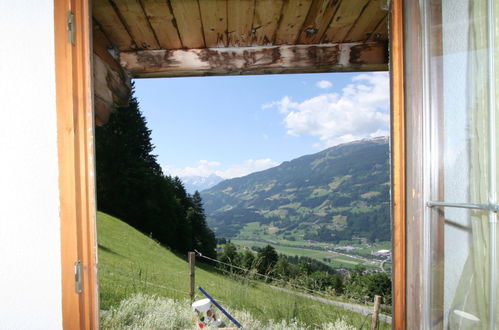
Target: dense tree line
x=306 y=272
x=132 y=186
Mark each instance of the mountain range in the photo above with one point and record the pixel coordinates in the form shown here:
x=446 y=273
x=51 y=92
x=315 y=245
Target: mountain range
x=341 y=193
x=193 y=183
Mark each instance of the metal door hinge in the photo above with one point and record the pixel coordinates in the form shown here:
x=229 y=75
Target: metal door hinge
x=71 y=28
x=78 y=275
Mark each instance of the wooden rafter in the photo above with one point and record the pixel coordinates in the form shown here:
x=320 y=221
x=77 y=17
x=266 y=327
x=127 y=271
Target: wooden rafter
x=256 y=60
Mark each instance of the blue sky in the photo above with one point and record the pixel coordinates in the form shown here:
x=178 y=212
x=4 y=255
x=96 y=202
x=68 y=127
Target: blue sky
x=232 y=126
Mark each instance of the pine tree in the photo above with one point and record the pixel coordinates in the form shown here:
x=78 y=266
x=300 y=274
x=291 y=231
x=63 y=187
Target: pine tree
x=132 y=187
x=267 y=258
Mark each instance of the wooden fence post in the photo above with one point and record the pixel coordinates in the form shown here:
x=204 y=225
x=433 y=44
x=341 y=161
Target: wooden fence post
x=192 y=264
x=375 y=316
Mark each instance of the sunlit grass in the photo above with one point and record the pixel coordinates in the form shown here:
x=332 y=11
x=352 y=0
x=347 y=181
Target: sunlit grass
x=131 y=263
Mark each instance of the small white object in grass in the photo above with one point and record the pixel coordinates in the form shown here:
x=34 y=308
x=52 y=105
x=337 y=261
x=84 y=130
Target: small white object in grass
x=466 y=315
x=201 y=306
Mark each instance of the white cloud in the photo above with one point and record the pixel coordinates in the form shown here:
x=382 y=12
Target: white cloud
x=247 y=167
x=206 y=168
x=360 y=111
x=324 y=84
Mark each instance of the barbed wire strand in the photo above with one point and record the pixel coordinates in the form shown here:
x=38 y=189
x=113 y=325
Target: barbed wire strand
x=264 y=276
x=131 y=279
x=147 y=283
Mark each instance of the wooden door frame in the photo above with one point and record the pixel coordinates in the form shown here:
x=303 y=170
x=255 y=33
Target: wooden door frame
x=398 y=164
x=75 y=124
x=75 y=134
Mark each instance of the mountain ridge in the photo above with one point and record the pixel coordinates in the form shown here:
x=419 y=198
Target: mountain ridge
x=322 y=196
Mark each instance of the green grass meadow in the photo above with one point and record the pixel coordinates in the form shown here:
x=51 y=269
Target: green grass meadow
x=131 y=262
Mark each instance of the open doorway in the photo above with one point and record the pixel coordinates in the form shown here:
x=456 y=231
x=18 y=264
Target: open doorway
x=302 y=207
x=359 y=59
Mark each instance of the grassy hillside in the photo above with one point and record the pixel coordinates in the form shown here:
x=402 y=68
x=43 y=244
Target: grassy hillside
x=130 y=262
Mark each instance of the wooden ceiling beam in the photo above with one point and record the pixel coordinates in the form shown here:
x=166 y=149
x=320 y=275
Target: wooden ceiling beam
x=372 y=56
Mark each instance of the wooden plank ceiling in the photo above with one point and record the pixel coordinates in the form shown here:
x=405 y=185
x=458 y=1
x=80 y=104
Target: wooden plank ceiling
x=203 y=37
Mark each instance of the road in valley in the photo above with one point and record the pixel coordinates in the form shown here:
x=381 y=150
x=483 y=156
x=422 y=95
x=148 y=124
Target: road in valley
x=363 y=310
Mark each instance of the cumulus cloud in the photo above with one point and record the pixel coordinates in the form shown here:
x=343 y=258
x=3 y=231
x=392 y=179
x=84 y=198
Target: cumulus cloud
x=360 y=111
x=324 y=84
x=206 y=168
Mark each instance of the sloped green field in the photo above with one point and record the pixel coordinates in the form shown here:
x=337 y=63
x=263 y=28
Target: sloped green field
x=131 y=262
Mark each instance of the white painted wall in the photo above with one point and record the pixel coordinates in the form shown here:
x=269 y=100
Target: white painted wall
x=30 y=265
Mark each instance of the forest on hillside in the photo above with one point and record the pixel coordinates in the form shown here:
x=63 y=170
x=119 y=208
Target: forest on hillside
x=132 y=186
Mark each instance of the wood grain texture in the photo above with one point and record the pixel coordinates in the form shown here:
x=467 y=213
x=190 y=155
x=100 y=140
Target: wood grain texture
x=370 y=18
x=189 y=24
x=239 y=22
x=162 y=21
x=265 y=20
x=101 y=47
x=72 y=317
x=293 y=16
x=214 y=17
x=256 y=60
x=368 y=53
x=137 y=23
x=75 y=137
x=398 y=137
x=318 y=19
x=194 y=24
x=111 y=24
x=381 y=31
x=111 y=89
x=347 y=14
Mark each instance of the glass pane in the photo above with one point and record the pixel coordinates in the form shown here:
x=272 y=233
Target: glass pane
x=460 y=157
x=459 y=101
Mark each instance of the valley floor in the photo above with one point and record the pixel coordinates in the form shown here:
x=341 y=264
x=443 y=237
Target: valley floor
x=323 y=252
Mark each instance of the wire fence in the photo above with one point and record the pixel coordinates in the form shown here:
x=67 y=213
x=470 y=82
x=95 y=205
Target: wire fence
x=145 y=278
x=363 y=310
x=267 y=277
x=133 y=279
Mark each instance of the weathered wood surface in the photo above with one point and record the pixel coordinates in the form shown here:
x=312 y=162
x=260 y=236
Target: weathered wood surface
x=111 y=89
x=192 y=24
x=293 y=16
x=318 y=20
x=141 y=31
x=161 y=18
x=102 y=45
x=112 y=25
x=372 y=16
x=112 y=85
x=214 y=17
x=256 y=60
x=265 y=20
x=239 y=22
x=344 y=19
x=188 y=21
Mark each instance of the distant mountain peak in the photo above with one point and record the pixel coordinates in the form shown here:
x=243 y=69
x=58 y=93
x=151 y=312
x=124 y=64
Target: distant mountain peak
x=376 y=139
x=199 y=183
